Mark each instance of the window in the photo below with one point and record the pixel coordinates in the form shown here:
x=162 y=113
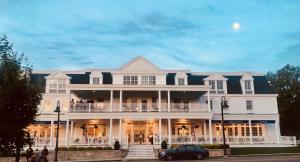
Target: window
x=249 y=105
x=211 y=103
x=181 y=81
x=57 y=86
x=236 y=131
x=254 y=131
x=126 y=80
x=152 y=80
x=134 y=80
x=220 y=85
x=212 y=84
x=145 y=80
x=96 y=80
x=247 y=85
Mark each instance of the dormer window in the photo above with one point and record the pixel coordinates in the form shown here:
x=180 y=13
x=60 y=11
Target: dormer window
x=247 y=84
x=181 y=78
x=219 y=85
x=96 y=77
x=212 y=84
x=96 y=80
x=56 y=83
x=181 y=81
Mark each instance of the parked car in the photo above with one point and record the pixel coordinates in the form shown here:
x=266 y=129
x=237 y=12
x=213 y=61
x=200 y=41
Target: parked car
x=184 y=152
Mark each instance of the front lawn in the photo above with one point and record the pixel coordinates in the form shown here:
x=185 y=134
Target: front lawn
x=264 y=150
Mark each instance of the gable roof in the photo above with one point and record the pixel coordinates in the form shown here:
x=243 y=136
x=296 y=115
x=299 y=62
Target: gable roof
x=58 y=75
x=139 y=65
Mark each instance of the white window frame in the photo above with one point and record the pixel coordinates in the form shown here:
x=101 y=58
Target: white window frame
x=212 y=84
x=181 y=81
x=134 y=80
x=96 y=80
x=145 y=80
x=220 y=85
x=126 y=80
x=152 y=80
x=249 y=105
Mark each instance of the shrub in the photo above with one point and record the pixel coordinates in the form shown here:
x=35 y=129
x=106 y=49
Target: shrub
x=80 y=148
x=98 y=148
x=72 y=149
x=62 y=148
x=164 y=144
x=173 y=145
x=117 y=145
x=107 y=148
x=90 y=148
x=214 y=146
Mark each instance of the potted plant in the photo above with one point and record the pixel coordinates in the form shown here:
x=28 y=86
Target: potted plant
x=164 y=144
x=117 y=145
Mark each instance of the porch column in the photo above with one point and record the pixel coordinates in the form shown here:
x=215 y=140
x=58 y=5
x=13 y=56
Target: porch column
x=204 y=127
x=277 y=131
x=159 y=129
x=169 y=107
x=111 y=100
x=169 y=131
x=72 y=125
x=67 y=132
x=208 y=101
x=120 y=131
x=110 y=131
x=51 y=133
x=250 y=128
x=121 y=98
x=210 y=132
x=159 y=101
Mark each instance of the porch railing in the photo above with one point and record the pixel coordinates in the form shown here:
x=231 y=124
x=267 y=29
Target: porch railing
x=136 y=107
x=88 y=141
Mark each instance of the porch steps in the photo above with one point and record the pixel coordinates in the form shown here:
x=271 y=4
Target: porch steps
x=136 y=152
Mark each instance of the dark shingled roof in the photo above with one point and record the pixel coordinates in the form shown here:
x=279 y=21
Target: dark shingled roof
x=171 y=78
x=107 y=78
x=80 y=78
x=234 y=85
x=195 y=79
x=39 y=81
x=261 y=85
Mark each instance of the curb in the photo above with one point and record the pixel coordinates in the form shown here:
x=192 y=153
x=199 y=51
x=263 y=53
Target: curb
x=277 y=154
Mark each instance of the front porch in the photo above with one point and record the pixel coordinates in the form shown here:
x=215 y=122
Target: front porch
x=104 y=132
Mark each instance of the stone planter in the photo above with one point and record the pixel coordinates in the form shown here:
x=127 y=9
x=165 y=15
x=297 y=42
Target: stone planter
x=212 y=152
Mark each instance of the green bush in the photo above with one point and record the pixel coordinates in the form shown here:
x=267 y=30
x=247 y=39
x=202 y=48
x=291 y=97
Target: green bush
x=107 y=148
x=72 y=149
x=214 y=146
x=63 y=148
x=90 y=148
x=98 y=148
x=80 y=148
x=117 y=145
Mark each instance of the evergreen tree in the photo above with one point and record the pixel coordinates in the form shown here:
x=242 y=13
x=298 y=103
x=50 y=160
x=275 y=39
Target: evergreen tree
x=286 y=82
x=18 y=100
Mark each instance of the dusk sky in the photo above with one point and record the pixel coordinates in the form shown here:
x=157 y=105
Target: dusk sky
x=196 y=35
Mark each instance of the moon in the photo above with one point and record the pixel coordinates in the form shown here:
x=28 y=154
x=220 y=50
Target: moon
x=236 y=26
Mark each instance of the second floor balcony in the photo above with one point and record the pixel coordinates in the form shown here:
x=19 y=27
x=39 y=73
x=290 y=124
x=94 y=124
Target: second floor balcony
x=136 y=107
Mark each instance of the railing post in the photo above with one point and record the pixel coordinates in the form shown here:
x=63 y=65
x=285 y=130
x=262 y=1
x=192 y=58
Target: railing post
x=121 y=98
x=90 y=107
x=111 y=100
x=208 y=100
x=159 y=125
x=169 y=107
x=169 y=131
x=159 y=101
x=190 y=107
x=210 y=132
x=250 y=128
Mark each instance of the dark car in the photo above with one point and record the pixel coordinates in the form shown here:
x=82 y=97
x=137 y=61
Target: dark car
x=184 y=152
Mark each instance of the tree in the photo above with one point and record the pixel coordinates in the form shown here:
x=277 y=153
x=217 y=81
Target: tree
x=18 y=100
x=286 y=82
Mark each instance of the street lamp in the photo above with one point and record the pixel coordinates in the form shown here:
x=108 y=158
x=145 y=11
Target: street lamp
x=57 y=131
x=224 y=104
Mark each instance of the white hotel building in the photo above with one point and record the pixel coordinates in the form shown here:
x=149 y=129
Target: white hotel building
x=99 y=106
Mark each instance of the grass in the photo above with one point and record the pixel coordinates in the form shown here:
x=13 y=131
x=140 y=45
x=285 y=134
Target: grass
x=264 y=150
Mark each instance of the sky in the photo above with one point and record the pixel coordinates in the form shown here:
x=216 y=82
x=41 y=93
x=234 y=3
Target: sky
x=173 y=34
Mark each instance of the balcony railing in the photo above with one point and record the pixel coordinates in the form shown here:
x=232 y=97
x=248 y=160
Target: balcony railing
x=136 y=107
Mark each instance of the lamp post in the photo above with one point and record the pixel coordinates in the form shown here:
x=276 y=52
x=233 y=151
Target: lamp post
x=223 y=105
x=57 y=131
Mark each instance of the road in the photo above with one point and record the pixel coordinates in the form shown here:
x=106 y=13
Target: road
x=284 y=158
